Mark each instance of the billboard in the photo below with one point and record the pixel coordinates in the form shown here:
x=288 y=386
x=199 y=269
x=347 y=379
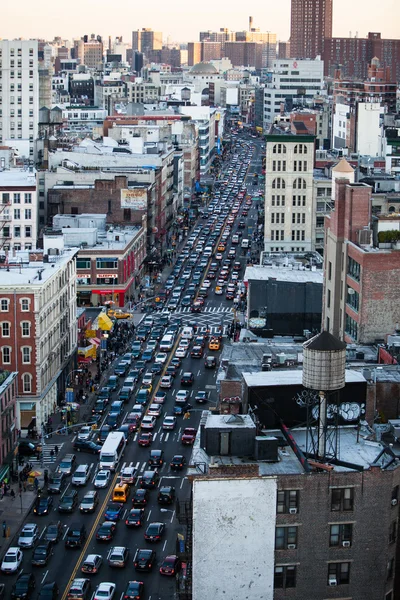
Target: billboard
x=136 y=199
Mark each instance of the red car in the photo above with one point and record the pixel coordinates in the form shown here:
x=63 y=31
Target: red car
x=170 y=565
x=188 y=436
x=145 y=439
x=197 y=306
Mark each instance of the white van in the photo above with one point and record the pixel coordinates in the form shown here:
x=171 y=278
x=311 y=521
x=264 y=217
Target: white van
x=187 y=333
x=245 y=243
x=235 y=239
x=167 y=343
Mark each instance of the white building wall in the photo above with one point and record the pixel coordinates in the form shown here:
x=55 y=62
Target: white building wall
x=19 y=214
x=19 y=92
x=234 y=539
x=340 y=125
x=368 y=128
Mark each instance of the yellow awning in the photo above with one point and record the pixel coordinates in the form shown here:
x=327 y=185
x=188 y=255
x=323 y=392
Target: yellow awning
x=105 y=322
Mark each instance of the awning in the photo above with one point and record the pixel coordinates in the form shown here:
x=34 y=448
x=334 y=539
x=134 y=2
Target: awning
x=95 y=341
x=88 y=351
x=105 y=322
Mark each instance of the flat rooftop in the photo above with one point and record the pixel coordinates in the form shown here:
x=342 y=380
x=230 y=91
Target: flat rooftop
x=290 y=377
x=17 y=178
x=281 y=273
x=126 y=235
x=35 y=273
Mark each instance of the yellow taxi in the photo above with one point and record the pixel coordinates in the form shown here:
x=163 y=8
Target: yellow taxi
x=221 y=247
x=214 y=344
x=218 y=290
x=148 y=387
x=118 y=314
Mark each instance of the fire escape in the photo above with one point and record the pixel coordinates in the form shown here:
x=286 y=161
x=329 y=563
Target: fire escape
x=5 y=220
x=184 y=514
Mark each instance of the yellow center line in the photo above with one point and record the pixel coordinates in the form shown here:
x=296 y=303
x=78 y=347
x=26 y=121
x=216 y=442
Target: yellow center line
x=89 y=539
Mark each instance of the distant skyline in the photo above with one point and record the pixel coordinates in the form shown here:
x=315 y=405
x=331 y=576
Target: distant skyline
x=181 y=23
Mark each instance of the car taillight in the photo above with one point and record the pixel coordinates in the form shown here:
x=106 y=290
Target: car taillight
x=126 y=523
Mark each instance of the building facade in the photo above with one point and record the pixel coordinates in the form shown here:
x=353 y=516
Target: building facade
x=289 y=207
x=38 y=334
x=8 y=418
x=19 y=92
x=18 y=210
x=310 y=25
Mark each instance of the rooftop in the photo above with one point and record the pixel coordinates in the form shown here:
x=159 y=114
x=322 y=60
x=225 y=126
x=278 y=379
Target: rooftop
x=23 y=269
x=17 y=178
x=290 y=377
x=281 y=273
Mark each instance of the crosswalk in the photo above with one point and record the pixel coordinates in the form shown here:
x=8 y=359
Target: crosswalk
x=47 y=458
x=207 y=309
x=160 y=436
x=140 y=467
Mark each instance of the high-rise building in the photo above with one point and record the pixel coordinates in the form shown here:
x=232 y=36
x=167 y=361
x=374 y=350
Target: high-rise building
x=19 y=79
x=310 y=24
x=146 y=40
x=289 y=208
x=194 y=53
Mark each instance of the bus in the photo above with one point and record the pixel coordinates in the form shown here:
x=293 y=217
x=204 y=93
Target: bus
x=112 y=450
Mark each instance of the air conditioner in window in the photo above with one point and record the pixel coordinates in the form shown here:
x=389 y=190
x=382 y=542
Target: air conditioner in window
x=394 y=502
x=291 y=546
x=293 y=511
x=346 y=544
x=332 y=580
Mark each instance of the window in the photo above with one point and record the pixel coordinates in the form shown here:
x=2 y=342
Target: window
x=285 y=576
x=6 y=355
x=278 y=183
x=341 y=534
x=17 y=213
x=28 y=198
x=28 y=213
x=329 y=299
x=25 y=328
x=5 y=198
x=27 y=383
x=26 y=355
x=285 y=538
x=25 y=304
x=339 y=572
x=28 y=231
x=83 y=263
x=353 y=299
x=353 y=269
x=279 y=149
x=390 y=568
x=330 y=271
x=351 y=327
x=393 y=532
x=342 y=499
x=106 y=263
x=4 y=304
x=5 y=329
x=300 y=149
x=17 y=231
x=287 y=501
x=272 y=217
x=299 y=184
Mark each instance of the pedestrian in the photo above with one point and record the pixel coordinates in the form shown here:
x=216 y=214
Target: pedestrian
x=46 y=478
x=24 y=485
x=12 y=494
x=56 y=450
x=36 y=483
x=4 y=529
x=52 y=455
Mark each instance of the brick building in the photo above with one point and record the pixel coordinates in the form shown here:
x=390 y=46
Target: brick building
x=292 y=528
x=310 y=25
x=362 y=282
x=354 y=54
x=8 y=417
x=38 y=329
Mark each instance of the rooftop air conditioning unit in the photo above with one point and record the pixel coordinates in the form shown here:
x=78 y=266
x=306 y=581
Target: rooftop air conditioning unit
x=291 y=546
x=293 y=511
x=332 y=580
x=346 y=544
x=394 y=502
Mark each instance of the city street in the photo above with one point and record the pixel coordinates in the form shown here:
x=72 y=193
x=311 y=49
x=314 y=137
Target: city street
x=65 y=564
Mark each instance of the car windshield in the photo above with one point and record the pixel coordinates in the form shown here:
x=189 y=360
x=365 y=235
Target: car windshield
x=87 y=500
x=101 y=476
x=102 y=594
x=27 y=534
x=10 y=558
x=40 y=551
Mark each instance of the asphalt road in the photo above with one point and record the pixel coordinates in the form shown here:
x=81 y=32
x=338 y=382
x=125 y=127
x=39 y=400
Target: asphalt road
x=65 y=564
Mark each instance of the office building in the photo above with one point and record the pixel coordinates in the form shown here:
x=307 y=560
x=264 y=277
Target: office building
x=19 y=81
x=146 y=40
x=310 y=25
x=289 y=207
x=89 y=51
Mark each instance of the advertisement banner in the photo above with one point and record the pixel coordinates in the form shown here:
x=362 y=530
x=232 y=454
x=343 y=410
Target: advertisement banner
x=135 y=199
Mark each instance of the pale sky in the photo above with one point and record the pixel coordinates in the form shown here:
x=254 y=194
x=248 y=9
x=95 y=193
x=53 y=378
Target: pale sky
x=182 y=20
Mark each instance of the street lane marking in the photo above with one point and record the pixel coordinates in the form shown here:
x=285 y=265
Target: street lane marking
x=44 y=576
x=148 y=516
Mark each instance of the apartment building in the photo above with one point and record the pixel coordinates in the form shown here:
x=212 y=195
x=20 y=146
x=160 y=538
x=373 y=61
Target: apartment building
x=8 y=419
x=19 y=95
x=142 y=92
x=310 y=26
x=38 y=328
x=18 y=210
x=289 y=200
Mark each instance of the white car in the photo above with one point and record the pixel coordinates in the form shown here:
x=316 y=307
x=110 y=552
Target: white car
x=12 y=560
x=148 y=422
x=128 y=475
x=105 y=591
x=84 y=433
x=181 y=352
x=161 y=357
x=185 y=343
x=206 y=283
x=147 y=379
x=169 y=422
x=166 y=382
x=182 y=396
x=28 y=535
x=102 y=479
x=154 y=410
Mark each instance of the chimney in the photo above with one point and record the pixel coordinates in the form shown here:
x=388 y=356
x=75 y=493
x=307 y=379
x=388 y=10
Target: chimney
x=250 y=23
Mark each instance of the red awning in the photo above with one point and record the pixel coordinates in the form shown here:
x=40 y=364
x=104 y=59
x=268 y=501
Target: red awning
x=95 y=341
